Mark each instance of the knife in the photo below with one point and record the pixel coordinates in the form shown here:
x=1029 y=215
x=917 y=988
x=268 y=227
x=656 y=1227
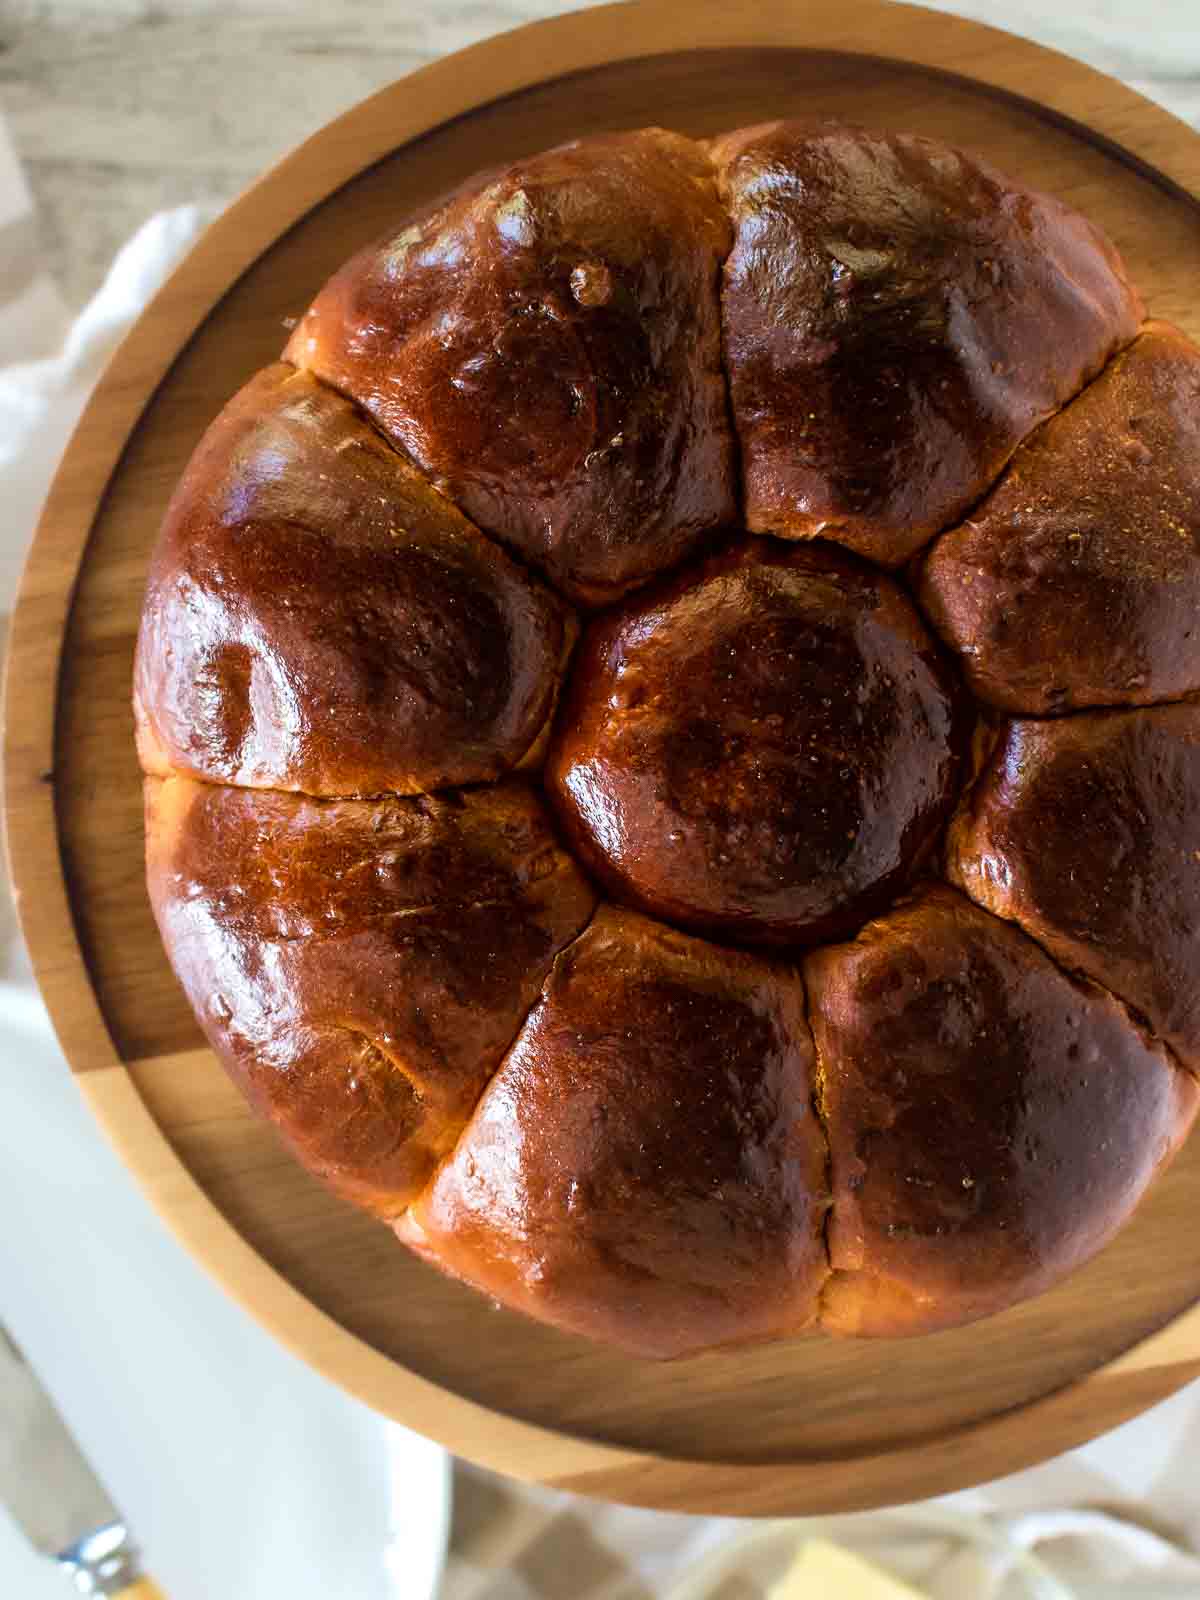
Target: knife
x=54 y=1496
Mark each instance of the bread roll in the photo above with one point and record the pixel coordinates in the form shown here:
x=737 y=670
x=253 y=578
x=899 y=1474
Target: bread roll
x=547 y=347
x=318 y=618
x=763 y=747
x=1077 y=581
x=646 y=1166
x=1086 y=831
x=360 y=966
x=992 y=1122
x=898 y=316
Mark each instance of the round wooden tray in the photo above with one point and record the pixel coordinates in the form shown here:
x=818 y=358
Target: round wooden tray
x=805 y=1426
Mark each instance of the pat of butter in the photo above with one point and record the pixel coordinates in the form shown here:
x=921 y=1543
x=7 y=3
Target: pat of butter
x=822 y=1571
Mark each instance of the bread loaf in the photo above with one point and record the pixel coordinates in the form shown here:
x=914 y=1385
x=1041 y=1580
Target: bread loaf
x=610 y=799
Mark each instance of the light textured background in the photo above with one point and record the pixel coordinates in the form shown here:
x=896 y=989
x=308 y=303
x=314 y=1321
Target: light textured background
x=119 y=108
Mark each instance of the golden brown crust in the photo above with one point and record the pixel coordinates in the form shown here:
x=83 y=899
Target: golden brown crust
x=897 y=316
x=1086 y=831
x=646 y=1167
x=763 y=747
x=602 y=1121
x=318 y=618
x=1077 y=581
x=360 y=966
x=992 y=1122
x=547 y=347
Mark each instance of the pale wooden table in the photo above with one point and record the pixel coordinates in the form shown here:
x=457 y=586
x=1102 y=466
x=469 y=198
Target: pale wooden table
x=119 y=108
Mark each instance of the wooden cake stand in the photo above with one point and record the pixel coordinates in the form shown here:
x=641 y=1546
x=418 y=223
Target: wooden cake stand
x=810 y=1425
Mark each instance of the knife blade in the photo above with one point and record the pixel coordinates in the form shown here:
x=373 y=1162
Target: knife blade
x=53 y=1494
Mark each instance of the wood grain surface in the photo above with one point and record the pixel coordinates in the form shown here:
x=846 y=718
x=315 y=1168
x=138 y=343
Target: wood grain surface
x=806 y=1425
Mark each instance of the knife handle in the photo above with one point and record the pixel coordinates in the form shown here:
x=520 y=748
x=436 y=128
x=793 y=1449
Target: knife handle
x=106 y=1562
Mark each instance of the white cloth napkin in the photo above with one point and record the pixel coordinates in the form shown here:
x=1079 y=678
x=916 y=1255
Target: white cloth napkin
x=948 y=1554
x=522 y=1543
x=242 y=1472
x=336 y=1530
